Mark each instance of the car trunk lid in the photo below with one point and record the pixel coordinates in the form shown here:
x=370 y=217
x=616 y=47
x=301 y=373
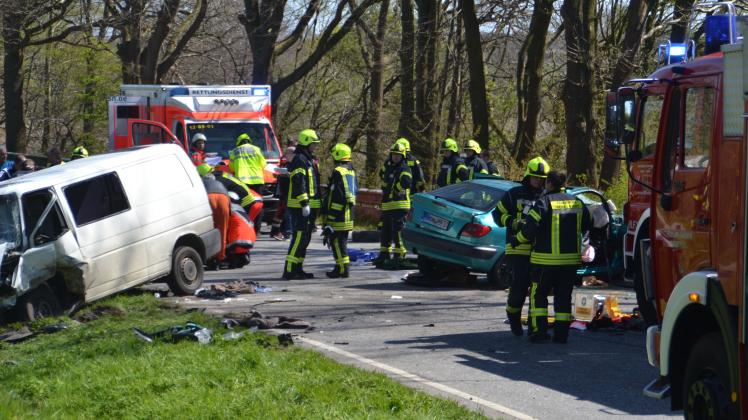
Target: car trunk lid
x=440 y=216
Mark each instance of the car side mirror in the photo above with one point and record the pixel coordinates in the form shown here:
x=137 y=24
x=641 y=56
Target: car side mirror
x=627 y=114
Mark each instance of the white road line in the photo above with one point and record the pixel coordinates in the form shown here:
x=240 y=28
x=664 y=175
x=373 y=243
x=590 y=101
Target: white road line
x=441 y=387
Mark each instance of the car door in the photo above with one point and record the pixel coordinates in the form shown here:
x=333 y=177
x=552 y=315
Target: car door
x=682 y=222
x=108 y=233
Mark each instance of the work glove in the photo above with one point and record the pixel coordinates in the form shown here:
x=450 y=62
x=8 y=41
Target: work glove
x=306 y=211
x=327 y=233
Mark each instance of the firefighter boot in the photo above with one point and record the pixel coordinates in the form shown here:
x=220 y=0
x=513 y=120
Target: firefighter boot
x=336 y=273
x=539 y=332
x=382 y=258
x=561 y=332
x=515 y=322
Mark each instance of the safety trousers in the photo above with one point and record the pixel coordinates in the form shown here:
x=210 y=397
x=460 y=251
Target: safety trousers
x=393 y=222
x=220 y=204
x=340 y=250
x=519 y=267
x=302 y=234
x=560 y=279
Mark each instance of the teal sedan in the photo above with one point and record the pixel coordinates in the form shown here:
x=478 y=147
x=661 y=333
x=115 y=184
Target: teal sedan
x=452 y=228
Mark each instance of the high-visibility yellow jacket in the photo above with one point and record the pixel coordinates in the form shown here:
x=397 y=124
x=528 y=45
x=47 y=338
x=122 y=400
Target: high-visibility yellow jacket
x=396 y=182
x=304 y=186
x=248 y=164
x=514 y=206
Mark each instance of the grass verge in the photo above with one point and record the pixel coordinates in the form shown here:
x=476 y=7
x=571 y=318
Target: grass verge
x=101 y=370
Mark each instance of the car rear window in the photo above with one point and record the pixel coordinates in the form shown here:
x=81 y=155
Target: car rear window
x=471 y=194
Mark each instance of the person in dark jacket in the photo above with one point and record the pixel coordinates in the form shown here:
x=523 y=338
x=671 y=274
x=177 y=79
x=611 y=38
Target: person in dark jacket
x=473 y=162
x=453 y=169
x=492 y=168
x=510 y=213
x=419 y=179
x=303 y=202
x=396 y=183
x=554 y=227
x=338 y=209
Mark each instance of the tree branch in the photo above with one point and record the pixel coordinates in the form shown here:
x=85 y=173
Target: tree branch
x=171 y=57
x=291 y=39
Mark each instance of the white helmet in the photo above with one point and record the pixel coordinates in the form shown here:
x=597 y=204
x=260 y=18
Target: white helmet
x=199 y=136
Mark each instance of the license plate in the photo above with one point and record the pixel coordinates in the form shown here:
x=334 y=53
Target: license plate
x=435 y=221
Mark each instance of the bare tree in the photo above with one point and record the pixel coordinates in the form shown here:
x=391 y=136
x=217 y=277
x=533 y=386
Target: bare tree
x=478 y=100
x=374 y=131
x=152 y=34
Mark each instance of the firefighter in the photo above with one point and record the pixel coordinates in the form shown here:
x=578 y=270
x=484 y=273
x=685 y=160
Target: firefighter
x=248 y=199
x=492 y=168
x=248 y=163
x=473 y=162
x=280 y=229
x=453 y=169
x=197 y=148
x=303 y=203
x=338 y=209
x=419 y=179
x=220 y=204
x=510 y=213
x=396 y=183
x=79 y=152
x=554 y=226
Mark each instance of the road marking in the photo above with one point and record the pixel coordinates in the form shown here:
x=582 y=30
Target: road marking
x=415 y=378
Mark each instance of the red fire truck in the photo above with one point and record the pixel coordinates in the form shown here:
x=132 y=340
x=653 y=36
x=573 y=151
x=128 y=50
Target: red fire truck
x=146 y=114
x=684 y=135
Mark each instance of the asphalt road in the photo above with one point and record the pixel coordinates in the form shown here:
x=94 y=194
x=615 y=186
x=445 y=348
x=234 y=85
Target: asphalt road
x=449 y=342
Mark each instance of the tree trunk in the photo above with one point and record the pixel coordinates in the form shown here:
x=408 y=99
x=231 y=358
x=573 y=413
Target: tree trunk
x=374 y=131
x=455 y=94
x=15 y=124
x=47 y=103
x=425 y=82
x=407 y=62
x=529 y=80
x=636 y=17
x=262 y=23
x=477 y=86
x=682 y=13
x=580 y=20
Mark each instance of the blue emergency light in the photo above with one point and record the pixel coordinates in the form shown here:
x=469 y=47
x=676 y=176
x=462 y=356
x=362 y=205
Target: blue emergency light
x=260 y=91
x=719 y=30
x=672 y=53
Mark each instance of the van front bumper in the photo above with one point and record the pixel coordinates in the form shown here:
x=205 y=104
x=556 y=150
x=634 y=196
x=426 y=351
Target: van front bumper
x=211 y=242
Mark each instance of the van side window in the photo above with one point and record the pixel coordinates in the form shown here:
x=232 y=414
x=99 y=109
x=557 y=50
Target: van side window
x=650 y=124
x=96 y=198
x=125 y=112
x=34 y=205
x=697 y=133
x=672 y=137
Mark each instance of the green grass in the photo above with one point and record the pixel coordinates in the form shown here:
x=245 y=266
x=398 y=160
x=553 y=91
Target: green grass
x=101 y=370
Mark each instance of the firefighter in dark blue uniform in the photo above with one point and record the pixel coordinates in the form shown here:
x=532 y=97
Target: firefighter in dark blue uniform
x=396 y=183
x=338 y=208
x=303 y=202
x=510 y=213
x=554 y=227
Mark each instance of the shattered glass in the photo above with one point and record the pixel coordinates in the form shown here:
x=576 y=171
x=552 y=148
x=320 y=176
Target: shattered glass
x=10 y=222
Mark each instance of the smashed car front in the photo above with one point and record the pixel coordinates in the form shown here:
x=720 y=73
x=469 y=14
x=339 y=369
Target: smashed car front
x=11 y=246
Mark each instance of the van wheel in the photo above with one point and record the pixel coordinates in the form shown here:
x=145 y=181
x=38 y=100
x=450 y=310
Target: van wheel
x=646 y=308
x=499 y=276
x=186 y=271
x=706 y=388
x=38 y=303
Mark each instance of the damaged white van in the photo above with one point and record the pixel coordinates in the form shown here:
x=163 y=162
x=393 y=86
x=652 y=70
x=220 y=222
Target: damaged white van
x=93 y=227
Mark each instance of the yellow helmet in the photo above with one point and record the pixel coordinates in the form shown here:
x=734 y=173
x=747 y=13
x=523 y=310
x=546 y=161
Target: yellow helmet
x=398 y=148
x=307 y=137
x=404 y=142
x=204 y=169
x=243 y=139
x=449 y=144
x=341 y=152
x=537 y=167
x=79 y=153
x=473 y=145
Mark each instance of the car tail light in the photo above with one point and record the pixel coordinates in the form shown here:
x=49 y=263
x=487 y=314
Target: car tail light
x=474 y=230
x=409 y=216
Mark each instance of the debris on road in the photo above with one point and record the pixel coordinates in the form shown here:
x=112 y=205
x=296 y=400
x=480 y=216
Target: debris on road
x=100 y=312
x=256 y=319
x=231 y=290
x=177 y=333
x=362 y=257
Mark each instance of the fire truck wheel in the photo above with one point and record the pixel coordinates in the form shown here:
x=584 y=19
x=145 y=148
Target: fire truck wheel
x=38 y=303
x=186 y=271
x=706 y=389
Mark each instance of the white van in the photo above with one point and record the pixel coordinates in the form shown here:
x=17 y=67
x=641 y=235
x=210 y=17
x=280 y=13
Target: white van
x=96 y=226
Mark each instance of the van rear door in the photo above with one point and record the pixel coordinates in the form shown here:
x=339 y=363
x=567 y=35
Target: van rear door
x=122 y=109
x=145 y=132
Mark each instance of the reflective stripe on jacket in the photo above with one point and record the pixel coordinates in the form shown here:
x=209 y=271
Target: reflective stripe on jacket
x=554 y=226
x=514 y=205
x=396 y=182
x=475 y=165
x=248 y=164
x=452 y=171
x=304 y=186
x=341 y=197
x=246 y=196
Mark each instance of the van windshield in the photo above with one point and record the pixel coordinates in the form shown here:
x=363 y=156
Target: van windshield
x=10 y=221
x=222 y=137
